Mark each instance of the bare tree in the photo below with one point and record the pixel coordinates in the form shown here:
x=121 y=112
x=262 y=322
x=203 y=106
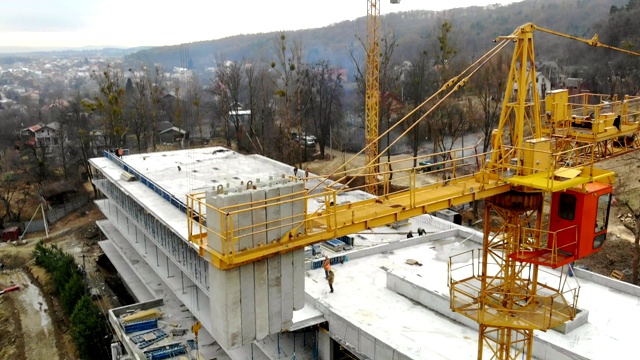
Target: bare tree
x=418 y=82
x=195 y=96
x=156 y=87
x=489 y=86
x=139 y=104
x=390 y=77
x=288 y=59
x=80 y=137
x=325 y=100
x=448 y=123
x=109 y=106
x=14 y=194
x=229 y=74
x=264 y=109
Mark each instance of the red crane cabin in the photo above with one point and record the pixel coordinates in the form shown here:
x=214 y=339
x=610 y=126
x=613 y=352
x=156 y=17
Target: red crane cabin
x=579 y=219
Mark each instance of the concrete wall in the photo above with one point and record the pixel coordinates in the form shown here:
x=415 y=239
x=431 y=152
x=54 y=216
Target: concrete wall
x=325 y=348
x=622 y=286
x=439 y=303
x=353 y=338
x=255 y=300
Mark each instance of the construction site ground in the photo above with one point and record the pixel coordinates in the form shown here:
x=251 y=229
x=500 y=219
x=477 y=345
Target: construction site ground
x=33 y=323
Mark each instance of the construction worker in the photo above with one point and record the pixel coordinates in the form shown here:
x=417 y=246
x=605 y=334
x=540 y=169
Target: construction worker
x=327 y=266
x=330 y=279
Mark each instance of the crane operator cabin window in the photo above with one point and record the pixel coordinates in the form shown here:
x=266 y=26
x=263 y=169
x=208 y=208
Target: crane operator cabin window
x=567 y=208
x=602 y=218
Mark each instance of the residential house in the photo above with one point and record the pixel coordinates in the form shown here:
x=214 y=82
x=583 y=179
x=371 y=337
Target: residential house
x=543 y=83
x=172 y=134
x=575 y=85
x=47 y=135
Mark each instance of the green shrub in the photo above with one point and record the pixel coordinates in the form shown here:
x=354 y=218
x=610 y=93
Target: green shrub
x=90 y=331
x=72 y=293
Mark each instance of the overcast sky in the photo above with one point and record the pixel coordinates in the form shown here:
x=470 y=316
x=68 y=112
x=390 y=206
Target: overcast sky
x=77 y=23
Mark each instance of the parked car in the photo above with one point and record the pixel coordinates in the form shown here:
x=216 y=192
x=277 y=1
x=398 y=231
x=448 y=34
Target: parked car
x=306 y=140
x=428 y=166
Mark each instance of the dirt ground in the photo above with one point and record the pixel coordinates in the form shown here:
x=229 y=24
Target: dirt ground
x=31 y=318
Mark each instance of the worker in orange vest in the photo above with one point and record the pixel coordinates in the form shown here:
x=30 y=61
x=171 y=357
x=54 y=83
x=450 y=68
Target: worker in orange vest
x=326 y=265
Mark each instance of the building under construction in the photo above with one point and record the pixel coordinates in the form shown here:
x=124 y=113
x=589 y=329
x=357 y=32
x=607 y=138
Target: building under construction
x=391 y=298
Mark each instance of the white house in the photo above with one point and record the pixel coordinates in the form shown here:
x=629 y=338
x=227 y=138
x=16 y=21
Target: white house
x=47 y=135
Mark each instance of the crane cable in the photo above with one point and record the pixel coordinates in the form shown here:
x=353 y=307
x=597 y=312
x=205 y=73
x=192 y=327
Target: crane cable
x=473 y=68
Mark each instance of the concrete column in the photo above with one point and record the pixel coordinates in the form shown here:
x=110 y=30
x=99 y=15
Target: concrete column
x=243 y=221
x=247 y=303
x=258 y=299
x=259 y=217
x=215 y=219
x=225 y=301
x=275 y=294
x=325 y=345
x=274 y=233
x=298 y=255
x=286 y=209
x=298 y=279
x=286 y=262
x=261 y=299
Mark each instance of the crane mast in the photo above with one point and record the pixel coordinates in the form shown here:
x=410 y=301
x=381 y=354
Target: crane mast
x=508 y=297
x=372 y=96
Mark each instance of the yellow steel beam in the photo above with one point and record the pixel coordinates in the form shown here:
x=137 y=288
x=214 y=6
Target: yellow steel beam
x=355 y=217
x=550 y=182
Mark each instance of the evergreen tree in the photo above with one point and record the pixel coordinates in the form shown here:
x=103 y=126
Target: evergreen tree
x=89 y=330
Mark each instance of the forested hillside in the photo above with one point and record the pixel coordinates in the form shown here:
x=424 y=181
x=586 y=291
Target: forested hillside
x=474 y=29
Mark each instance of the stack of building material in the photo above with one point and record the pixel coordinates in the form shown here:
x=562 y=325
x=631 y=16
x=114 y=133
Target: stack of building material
x=142 y=315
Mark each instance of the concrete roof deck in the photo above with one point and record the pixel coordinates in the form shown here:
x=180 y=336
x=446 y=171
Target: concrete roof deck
x=182 y=172
x=200 y=169
x=363 y=298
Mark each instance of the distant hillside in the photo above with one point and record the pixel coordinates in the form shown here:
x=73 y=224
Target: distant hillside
x=476 y=27
x=23 y=51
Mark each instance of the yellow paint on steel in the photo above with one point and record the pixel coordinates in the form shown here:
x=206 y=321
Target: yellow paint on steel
x=553 y=182
x=372 y=95
x=351 y=218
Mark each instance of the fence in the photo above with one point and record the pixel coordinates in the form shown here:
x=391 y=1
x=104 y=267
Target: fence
x=56 y=213
x=53 y=214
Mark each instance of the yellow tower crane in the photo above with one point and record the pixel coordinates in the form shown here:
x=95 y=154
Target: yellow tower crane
x=372 y=94
x=508 y=294
x=536 y=154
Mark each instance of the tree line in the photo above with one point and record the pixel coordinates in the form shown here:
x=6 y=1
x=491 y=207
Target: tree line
x=89 y=327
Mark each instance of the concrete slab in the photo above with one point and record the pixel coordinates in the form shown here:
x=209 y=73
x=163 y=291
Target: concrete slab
x=261 y=298
x=132 y=282
x=247 y=303
x=275 y=294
